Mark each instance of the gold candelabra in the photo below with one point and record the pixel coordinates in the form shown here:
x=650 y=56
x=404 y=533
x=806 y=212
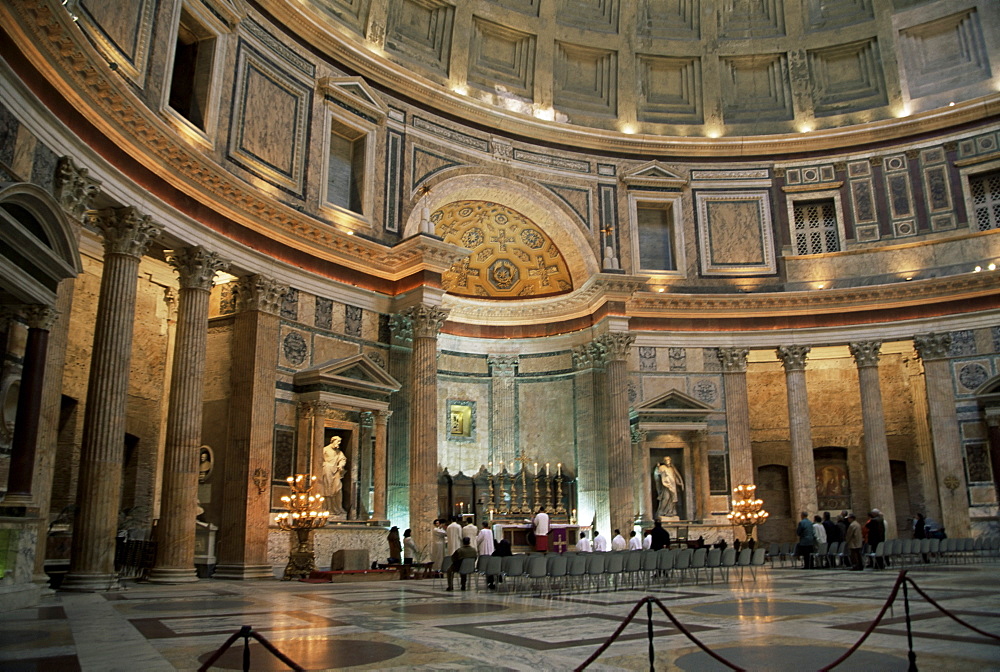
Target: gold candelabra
x=305 y=514
x=748 y=511
x=559 y=500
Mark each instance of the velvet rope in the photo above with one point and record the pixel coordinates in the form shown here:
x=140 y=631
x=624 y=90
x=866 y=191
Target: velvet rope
x=246 y=632
x=949 y=614
x=871 y=628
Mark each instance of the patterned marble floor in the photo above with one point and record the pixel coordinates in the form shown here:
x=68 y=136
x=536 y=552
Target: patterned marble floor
x=788 y=619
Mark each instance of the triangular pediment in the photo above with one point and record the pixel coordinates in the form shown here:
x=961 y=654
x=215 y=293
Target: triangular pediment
x=673 y=406
x=653 y=175
x=354 y=95
x=356 y=375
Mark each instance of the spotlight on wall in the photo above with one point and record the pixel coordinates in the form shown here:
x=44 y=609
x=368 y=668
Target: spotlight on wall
x=977 y=269
x=991 y=267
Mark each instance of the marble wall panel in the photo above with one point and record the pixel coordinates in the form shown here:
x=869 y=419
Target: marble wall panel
x=325 y=541
x=326 y=348
x=545 y=420
x=559 y=361
x=218 y=361
x=461 y=454
x=655 y=385
x=734 y=232
x=462 y=364
x=121 y=31
x=577 y=199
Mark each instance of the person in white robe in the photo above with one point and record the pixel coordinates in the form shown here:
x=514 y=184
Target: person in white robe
x=454 y=532
x=647 y=540
x=471 y=531
x=634 y=543
x=484 y=540
x=618 y=542
x=600 y=543
x=437 y=548
x=410 y=548
x=583 y=544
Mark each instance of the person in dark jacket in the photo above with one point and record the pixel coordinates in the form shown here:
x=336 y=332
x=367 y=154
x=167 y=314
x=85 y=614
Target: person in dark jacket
x=660 y=537
x=807 y=540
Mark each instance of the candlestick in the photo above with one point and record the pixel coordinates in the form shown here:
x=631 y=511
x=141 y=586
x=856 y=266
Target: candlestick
x=558 y=468
x=546 y=469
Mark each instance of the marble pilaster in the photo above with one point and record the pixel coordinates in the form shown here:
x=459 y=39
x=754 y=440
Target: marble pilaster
x=24 y=442
x=734 y=383
x=242 y=547
x=922 y=442
x=379 y=476
x=398 y=444
x=503 y=409
x=196 y=268
x=426 y=321
x=621 y=470
x=952 y=488
x=591 y=458
x=127 y=234
x=866 y=355
x=367 y=452
x=793 y=358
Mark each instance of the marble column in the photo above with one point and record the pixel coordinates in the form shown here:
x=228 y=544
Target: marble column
x=793 y=358
x=503 y=409
x=734 y=384
x=242 y=546
x=702 y=496
x=426 y=321
x=196 y=268
x=366 y=450
x=952 y=488
x=24 y=442
x=923 y=449
x=621 y=470
x=866 y=355
x=379 y=477
x=644 y=491
x=397 y=493
x=127 y=234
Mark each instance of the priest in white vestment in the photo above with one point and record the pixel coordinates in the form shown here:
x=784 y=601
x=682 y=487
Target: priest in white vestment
x=484 y=541
x=600 y=543
x=454 y=532
x=583 y=544
x=618 y=542
x=634 y=543
x=472 y=532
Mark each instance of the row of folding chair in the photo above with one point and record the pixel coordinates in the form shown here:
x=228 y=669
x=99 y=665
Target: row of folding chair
x=899 y=552
x=612 y=571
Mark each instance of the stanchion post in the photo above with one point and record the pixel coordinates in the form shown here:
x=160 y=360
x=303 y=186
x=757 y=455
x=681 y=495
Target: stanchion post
x=649 y=632
x=910 y=653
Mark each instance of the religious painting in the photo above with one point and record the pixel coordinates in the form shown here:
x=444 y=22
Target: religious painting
x=460 y=420
x=833 y=485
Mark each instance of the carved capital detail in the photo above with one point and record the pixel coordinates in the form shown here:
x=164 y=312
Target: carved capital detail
x=502 y=365
x=866 y=353
x=196 y=266
x=259 y=292
x=75 y=189
x=793 y=357
x=426 y=320
x=401 y=329
x=616 y=346
x=932 y=346
x=733 y=360
x=382 y=417
x=39 y=316
x=126 y=231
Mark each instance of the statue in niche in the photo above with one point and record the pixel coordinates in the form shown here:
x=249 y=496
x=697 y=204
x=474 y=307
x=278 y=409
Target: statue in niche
x=204 y=463
x=334 y=464
x=668 y=483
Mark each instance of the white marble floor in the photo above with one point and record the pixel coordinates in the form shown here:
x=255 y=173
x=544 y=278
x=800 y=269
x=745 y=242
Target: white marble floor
x=788 y=619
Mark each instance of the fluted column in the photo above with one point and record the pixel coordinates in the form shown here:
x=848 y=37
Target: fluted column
x=503 y=409
x=24 y=443
x=591 y=457
x=242 y=547
x=426 y=321
x=734 y=384
x=793 y=358
x=880 y=495
x=179 y=502
x=127 y=234
x=952 y=488
x=397 y=487
x=379 y=477
x=621 y=470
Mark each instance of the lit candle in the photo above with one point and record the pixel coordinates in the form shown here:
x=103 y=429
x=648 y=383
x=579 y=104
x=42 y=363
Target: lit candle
x=558 y=468
x=546 y=469
x=536 y=468
x=501 y=466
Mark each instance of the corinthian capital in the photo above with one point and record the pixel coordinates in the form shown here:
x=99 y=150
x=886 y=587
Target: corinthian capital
x=502 y=365
x=616 y=345
x=75 y=189
x=793 y=357
x=259 y=292
x=866 y=353
x=932 y=346
x=426 y=320
x=733 y=360
x=40 y=317
x=126 y=231
x=196 y=266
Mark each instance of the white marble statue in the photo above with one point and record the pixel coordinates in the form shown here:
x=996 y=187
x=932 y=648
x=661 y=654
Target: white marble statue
x=668 y=484
x=334 y=463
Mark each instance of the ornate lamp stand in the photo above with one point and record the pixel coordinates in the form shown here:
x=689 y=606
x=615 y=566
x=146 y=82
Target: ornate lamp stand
x=748 y=511
x=303 y=516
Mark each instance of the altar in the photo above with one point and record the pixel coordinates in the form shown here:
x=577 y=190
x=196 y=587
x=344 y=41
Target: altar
x=562 y=536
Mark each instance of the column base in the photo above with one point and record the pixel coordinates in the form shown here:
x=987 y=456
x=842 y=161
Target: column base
x=240 y=572
x=90 y=583
x=172 y=575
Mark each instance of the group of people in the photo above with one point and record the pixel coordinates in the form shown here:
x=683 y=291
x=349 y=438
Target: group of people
x=654 y=538
x=456 y=542
x=848 y=529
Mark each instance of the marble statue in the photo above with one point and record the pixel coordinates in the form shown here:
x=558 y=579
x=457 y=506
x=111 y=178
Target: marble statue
x=668 y=483
x=334 y=463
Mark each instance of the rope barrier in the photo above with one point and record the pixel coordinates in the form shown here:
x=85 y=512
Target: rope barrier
x=901 y=582
x=246 y=632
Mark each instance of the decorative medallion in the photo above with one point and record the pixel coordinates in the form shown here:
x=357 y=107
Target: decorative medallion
x=510 y=257
x=295 y=348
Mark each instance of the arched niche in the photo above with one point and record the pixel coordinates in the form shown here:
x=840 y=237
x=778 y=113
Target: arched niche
x=37 y=245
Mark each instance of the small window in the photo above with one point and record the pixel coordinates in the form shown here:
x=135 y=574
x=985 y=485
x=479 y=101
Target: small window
x=346 y=175
x=191 y=75
x=815 y=227
x=985 y=190
x=655 y=222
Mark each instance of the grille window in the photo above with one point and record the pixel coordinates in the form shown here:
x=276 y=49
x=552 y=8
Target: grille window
x=816 y=227
x=985 y=190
